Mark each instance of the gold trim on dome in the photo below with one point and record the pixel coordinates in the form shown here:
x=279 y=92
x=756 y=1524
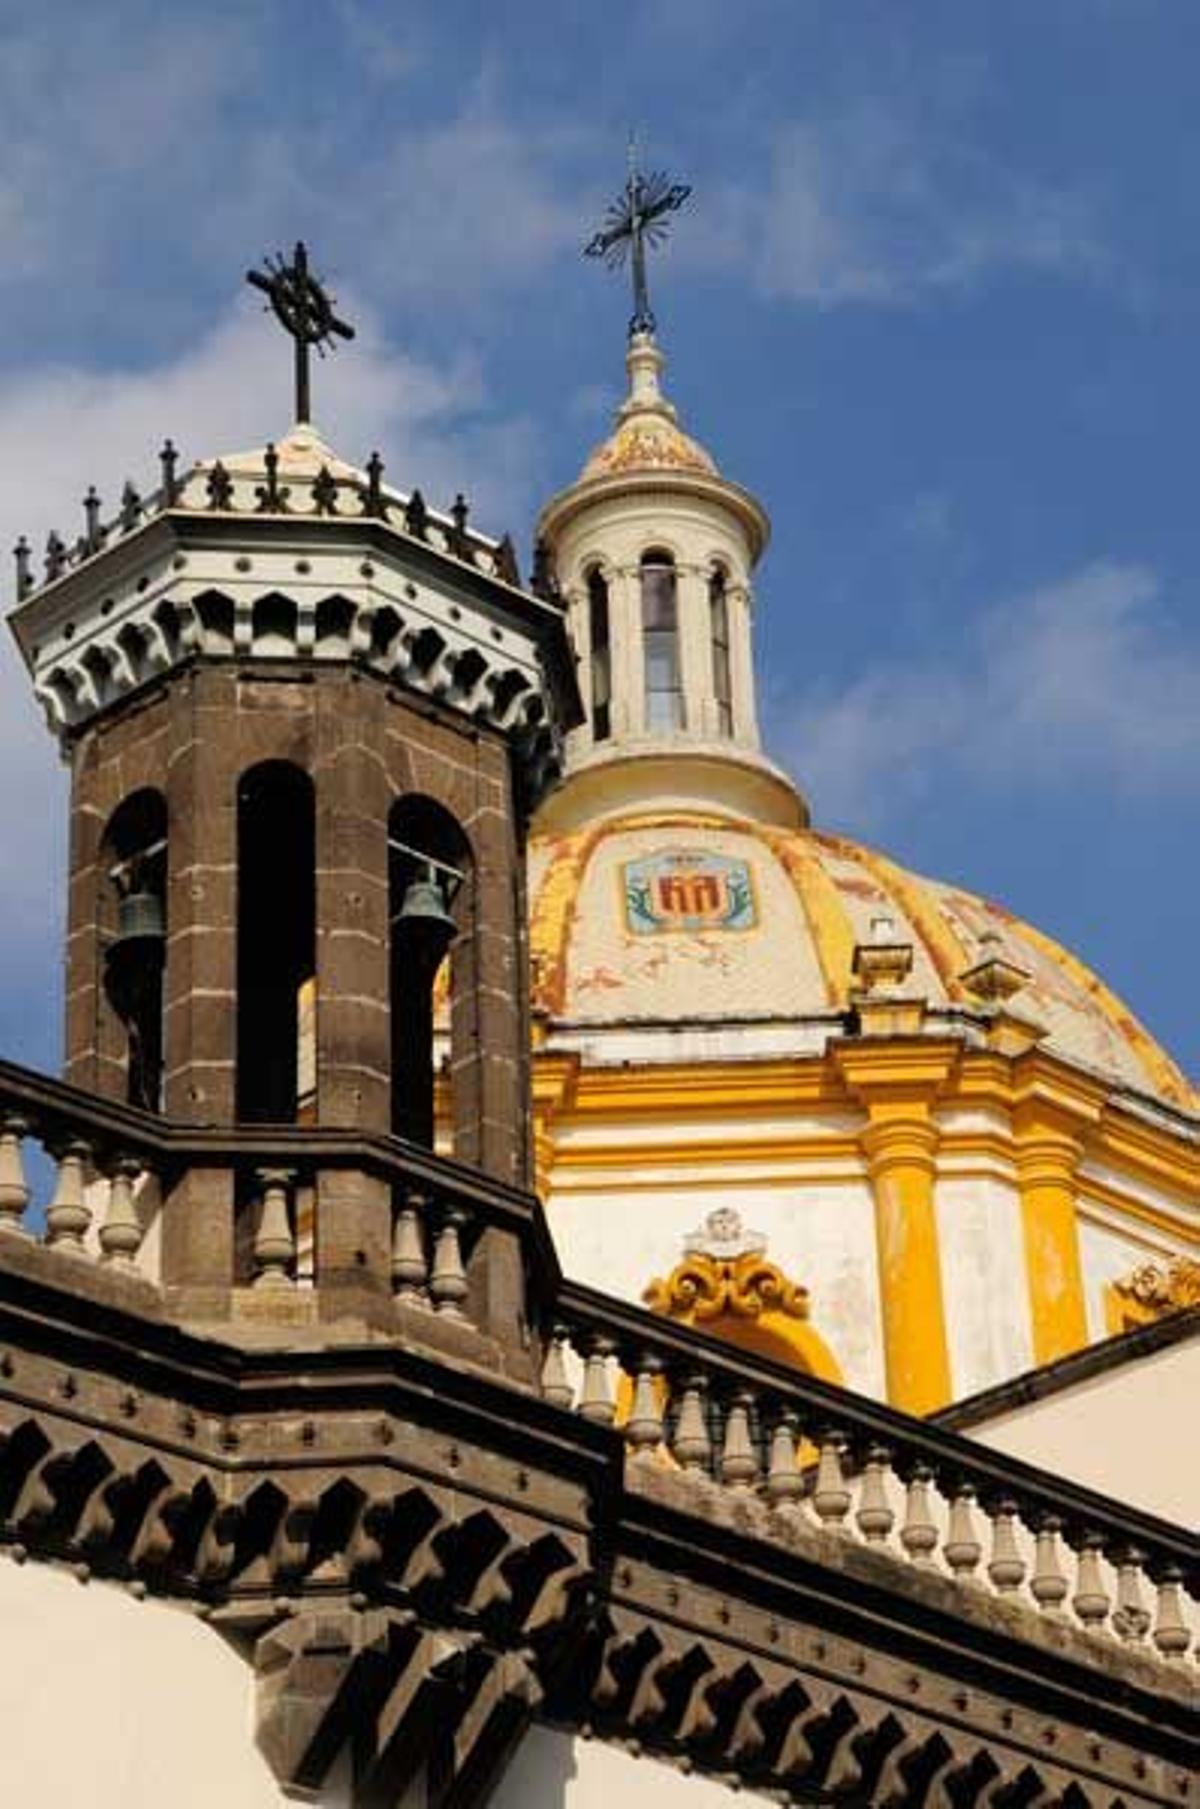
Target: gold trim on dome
x=726 y=1286
x=648 y=447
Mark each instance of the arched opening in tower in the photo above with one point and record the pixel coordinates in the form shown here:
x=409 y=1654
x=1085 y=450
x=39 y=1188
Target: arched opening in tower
x=134 y=906
x=276 y=939
x=429 y=875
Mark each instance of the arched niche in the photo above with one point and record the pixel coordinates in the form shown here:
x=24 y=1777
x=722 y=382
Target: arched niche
x=276 y=941
x=431 y=919
x=132 y=905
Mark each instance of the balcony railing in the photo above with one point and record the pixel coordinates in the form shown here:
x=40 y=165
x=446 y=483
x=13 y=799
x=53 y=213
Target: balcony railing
x=804 y=1452
x=810 y=1452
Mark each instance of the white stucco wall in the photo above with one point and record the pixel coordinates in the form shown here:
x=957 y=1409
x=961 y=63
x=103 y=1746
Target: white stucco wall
x=111 y=1703
x=821 y=1233
x=1129 y=1432
x=984 y=1287
x=553 y=1770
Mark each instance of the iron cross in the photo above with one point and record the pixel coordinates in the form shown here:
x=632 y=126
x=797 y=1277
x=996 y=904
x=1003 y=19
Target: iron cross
x=305 y=310
x=634 y=220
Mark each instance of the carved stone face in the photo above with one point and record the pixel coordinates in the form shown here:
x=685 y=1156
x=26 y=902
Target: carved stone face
x=723 y=1237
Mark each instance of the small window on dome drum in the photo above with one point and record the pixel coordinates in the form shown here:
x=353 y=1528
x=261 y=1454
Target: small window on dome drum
x=601 y=656
x=660 y=639
x=718 y=615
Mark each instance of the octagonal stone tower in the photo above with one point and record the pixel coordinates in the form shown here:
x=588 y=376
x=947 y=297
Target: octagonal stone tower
x=306 y=717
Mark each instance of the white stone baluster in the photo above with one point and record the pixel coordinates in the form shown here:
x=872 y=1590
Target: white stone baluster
x=596 y=1403
x=1047 y=1585
x=1131 y=1619
x=1091 y=1600
x=644 y=1428
x=785 y=1485
x=831 y=1497
x=555 y=1386
x=739 y=1463
x=1171 y=1634
x=14 y=1188
x=919 y=1534
x=875 y=1516
x=274 y=1240
x=693 y=1446
x=962 y=1550
x=1006 y=1566
x=448 y=1278
x=68 y=1214
x=410 y=1266
x=121 y=1232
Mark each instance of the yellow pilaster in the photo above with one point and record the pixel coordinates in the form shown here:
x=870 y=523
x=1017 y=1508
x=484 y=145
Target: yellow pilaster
x=898 y=1084
x=1048 y=1148
x=553 y=1083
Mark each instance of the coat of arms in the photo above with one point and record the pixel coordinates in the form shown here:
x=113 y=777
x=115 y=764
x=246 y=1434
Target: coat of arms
x=688 y=890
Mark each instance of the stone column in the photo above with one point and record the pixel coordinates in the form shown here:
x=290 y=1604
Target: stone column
x=695 y=652
x=741 y=666
x=898 y=1084
x=1047 y=1152
x=625 y=633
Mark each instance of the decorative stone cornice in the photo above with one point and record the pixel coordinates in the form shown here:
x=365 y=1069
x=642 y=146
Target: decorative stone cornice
x=212 y=574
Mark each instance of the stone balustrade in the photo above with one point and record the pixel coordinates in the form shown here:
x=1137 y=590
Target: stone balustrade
x=295 y=1211
x=812 y=1453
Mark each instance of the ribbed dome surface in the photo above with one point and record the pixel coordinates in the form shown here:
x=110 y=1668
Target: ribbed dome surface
x=692 y=919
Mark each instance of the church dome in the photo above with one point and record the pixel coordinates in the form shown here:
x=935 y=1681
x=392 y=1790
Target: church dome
x=647 y=436
x=739 y=938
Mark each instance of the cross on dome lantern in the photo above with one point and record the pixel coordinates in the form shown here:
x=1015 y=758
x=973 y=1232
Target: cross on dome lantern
x=636 y=219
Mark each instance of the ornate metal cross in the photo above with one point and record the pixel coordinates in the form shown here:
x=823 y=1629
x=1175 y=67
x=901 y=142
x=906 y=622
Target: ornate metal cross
x=304 y=309
x=634 y=220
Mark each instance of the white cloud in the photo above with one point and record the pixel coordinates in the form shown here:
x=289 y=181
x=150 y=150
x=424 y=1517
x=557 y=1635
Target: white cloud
x=1081 y=678
x=66 y=428
x=864 y=206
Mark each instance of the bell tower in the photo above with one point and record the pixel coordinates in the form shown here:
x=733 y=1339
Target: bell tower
x=306 y=716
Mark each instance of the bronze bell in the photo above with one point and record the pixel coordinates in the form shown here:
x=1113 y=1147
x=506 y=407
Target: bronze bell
x=423 y=920
x=139 y=919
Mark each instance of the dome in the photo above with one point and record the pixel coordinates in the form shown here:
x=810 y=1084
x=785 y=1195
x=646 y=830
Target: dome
x=728 y=932
x=648 y=443
x=647 y=436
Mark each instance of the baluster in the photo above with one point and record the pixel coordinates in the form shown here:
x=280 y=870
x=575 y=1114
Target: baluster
x=1132 y=1618
x=555 y=1386
x=14 y=1188
x=739 y=1461
x=785 y=1485
x=919 y=1534
x=644 y=1428
x=692 y=1448
x=1171 y=1634
x=274 y=1242
x=875 y=1516
x=1006 y=1566
x=596 y=1402
x=121 y=1232
x=410 y=1266
x=1091 y=1600
x=448 y=1280
x=1048 y=1585
x=831 y=1497
x=962 y=1550
x=68 y=1214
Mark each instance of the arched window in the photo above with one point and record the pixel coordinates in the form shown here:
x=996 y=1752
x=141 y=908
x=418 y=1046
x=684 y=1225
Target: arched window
x=660 y=639
x=134 y=852
x=597 y=589
x=429 y=862
x=718 y=624
x=276 y=941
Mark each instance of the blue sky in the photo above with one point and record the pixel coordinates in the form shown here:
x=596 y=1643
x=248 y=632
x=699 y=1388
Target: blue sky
x=934 y=300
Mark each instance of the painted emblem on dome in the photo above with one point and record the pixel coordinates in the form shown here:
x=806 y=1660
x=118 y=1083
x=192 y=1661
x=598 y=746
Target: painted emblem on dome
x=688 y=890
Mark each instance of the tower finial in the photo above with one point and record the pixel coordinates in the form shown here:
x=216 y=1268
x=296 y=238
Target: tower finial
x=305 y=309
x=634 y=220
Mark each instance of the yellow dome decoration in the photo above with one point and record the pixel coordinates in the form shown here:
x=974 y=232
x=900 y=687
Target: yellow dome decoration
x=648 y=444
x=691 y=917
